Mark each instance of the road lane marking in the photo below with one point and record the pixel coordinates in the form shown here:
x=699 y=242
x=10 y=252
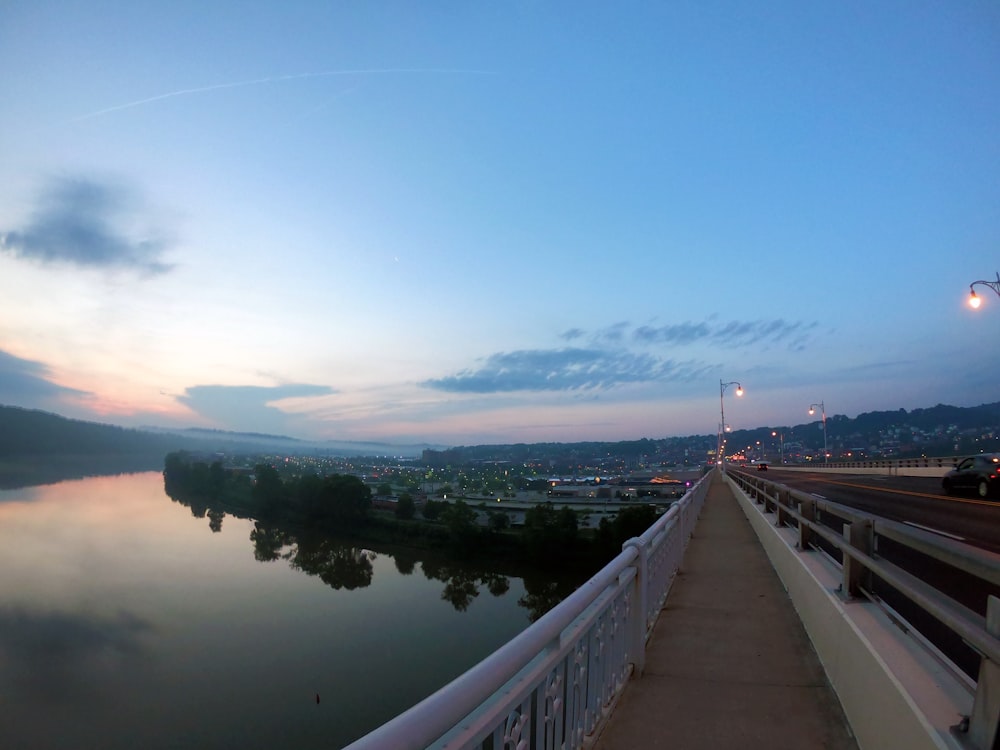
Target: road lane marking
x=956 y=537
x=967 y=501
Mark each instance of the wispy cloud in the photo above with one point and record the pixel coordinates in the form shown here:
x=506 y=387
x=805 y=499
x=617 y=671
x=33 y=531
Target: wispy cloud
x=87 y=223
x=564 y=370
x=736 y=333
x=278 y=79
x=615 y=357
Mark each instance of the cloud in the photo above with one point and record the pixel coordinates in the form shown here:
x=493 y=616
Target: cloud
x=682 y=333
x=248 y=407
x=24 y=382
x=736 y=333
x=565 y=370
x=87 y=223
x=572 y=334
x=608 y=362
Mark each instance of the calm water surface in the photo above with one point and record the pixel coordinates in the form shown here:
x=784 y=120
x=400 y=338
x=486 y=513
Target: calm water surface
x=126 y=621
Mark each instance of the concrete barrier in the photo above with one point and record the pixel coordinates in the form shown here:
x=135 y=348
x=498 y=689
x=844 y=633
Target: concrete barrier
x=894 y=471
x=895 y=694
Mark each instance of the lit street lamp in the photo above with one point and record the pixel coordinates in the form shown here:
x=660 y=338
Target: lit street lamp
x=974 y=301
x=812 y=410
x=722 y=411
x=781 y=443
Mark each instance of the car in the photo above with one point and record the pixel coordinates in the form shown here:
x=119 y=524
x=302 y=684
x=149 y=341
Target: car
x=761 y=467
x=981 y=474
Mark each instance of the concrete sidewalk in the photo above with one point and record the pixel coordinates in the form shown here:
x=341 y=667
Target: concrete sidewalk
x=729 y=664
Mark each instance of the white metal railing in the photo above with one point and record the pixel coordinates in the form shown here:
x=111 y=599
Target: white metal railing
x=553 y=685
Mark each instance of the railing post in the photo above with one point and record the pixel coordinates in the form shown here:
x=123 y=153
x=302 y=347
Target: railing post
x=860 y=536
x=638 y=615
x=986 y=705
x=781 y=507
x=807 y=509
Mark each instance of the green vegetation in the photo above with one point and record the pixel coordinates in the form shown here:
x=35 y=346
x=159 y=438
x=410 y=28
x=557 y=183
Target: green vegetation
x=342 y=504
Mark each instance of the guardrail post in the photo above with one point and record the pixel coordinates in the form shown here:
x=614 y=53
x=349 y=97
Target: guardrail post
x=781 y=507
x=807 y=509
x=638 y=614
x=986 y=705
x=860 y=536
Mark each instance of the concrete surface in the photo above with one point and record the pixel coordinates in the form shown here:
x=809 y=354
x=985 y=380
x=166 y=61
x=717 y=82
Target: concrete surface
x=729 y=664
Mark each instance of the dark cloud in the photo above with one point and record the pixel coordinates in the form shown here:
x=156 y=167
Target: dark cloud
x=565 y=370
x=246 y=407
x=26 y=383
x=87 y=223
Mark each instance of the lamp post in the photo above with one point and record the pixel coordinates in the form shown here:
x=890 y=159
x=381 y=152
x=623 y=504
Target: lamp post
x=722 y=412
x=812 y=410
x=974 y=301
x=781 y=443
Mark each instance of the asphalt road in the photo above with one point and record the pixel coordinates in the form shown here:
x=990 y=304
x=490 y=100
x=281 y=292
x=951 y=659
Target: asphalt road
x=918 y=501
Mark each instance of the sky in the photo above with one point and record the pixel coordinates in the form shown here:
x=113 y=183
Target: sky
x=465 y=223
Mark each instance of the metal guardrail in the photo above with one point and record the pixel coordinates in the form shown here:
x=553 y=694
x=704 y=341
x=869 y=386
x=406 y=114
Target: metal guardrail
x=943 y=462
x=554 y=684
x=960 y=627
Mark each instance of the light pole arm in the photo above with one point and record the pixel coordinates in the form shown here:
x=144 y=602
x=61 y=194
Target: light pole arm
x=994 y=285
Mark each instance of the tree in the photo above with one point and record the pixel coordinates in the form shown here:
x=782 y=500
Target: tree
x=268 y=492
x=433 y=509
x=406 y=508
x=498 y=520
x=462 y=528
x=347 y=498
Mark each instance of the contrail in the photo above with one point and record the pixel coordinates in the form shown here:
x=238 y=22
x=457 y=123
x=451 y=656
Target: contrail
x=276 y=79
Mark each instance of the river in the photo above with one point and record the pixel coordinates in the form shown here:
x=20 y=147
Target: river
x=130 y=620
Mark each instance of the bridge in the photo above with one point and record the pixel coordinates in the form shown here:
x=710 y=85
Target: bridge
x=748 y=615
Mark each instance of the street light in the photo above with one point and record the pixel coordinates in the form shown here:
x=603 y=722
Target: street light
x=781 y=442
x=812 y=410
x=974 y=301
x=722 y=410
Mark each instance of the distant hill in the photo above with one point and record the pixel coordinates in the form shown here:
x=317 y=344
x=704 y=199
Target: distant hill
x=27 y=432
x=244 y=442
x=38 y=447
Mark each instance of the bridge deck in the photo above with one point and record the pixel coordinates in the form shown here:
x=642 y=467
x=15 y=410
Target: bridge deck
x=729 y=664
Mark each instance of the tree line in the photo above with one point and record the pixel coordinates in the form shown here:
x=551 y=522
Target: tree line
x=342 y=504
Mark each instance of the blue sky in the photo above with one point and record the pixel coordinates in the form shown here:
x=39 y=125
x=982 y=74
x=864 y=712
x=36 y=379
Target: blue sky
x=466 y=222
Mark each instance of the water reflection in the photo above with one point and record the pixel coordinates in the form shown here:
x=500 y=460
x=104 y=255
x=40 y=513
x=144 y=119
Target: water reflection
x=65 y=656
x=133 y=619
x=342 y=565
x=337 y=565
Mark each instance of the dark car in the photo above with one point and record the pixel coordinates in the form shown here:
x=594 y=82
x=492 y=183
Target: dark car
x=981 y=474
x=761 y=467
